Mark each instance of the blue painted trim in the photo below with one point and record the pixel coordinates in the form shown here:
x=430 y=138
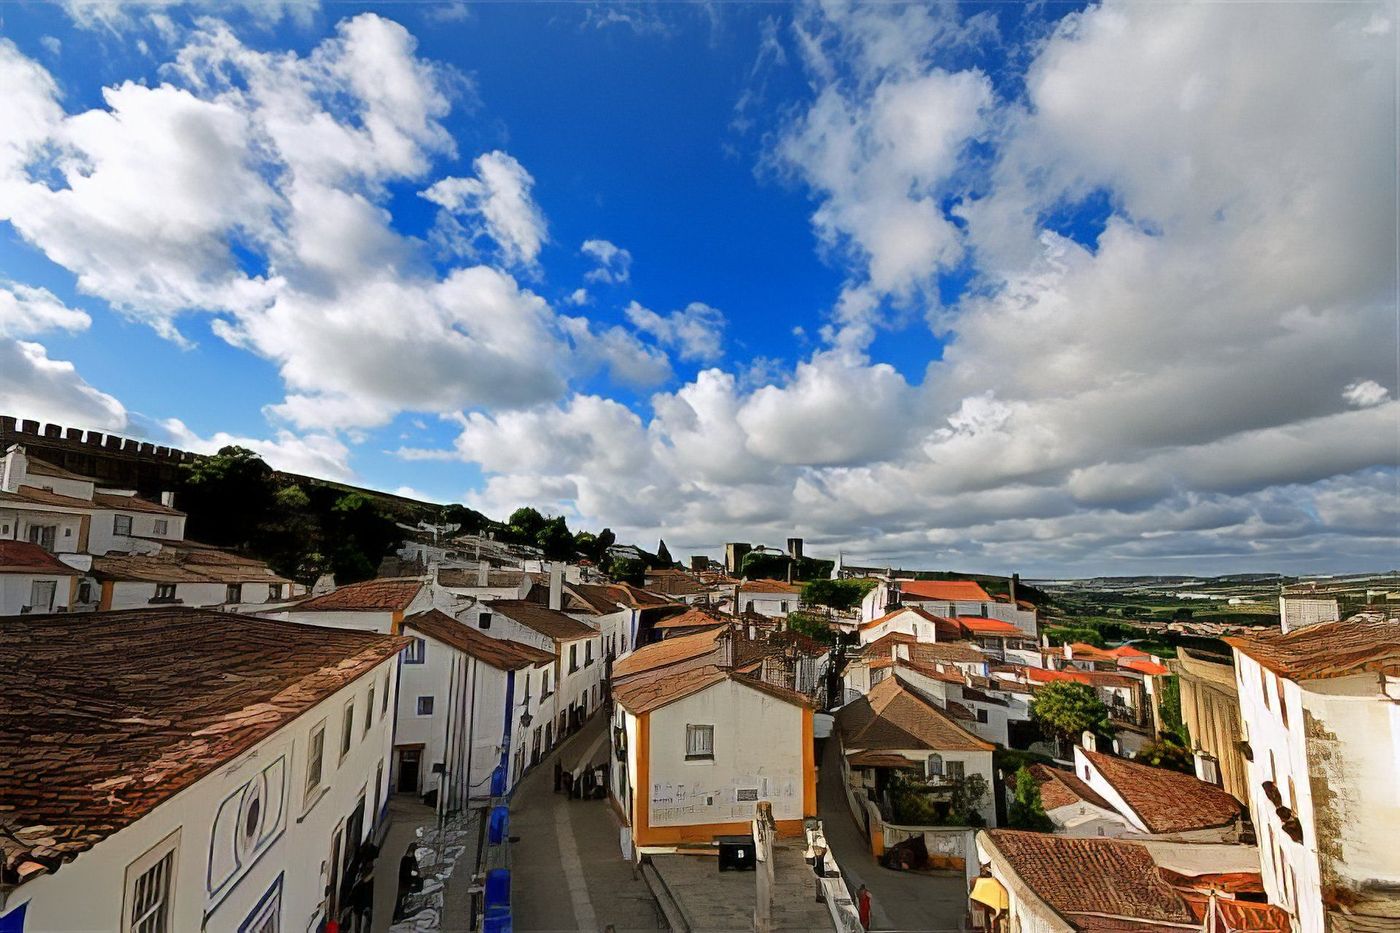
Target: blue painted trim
x=13 y=922
x=274 y=891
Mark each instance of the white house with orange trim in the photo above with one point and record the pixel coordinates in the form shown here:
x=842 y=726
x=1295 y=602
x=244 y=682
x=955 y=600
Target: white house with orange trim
x=697 y=744
x=948 y=598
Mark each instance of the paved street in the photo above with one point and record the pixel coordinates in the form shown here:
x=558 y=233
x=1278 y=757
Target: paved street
x=567 y=869
x=903 y=901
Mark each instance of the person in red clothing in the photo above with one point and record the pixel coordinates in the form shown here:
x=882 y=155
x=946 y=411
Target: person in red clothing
x=863 y=904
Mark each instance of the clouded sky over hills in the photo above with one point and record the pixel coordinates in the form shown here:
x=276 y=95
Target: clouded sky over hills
x=1102 y=289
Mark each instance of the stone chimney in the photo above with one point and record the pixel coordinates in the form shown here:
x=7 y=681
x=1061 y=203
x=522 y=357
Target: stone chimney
x=483 y=573
x=1015 y=579
x=167 y=499
x=556 y=585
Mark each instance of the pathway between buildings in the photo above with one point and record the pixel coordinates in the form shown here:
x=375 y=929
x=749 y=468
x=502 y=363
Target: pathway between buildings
x=567 y=870
x=899 y=900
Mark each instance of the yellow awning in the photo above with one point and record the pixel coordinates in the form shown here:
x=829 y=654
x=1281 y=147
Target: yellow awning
x=990 y=892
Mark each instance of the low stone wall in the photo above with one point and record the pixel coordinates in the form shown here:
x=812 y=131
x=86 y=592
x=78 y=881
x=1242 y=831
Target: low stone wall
x=845 y=916
x=950 y=848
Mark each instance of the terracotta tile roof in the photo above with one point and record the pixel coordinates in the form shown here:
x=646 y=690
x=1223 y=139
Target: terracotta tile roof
x=674 y=583
x=108 y=500
x=653 y=690
x=1166 y=801
x=1234 y=916
x=957 y=590
x=1128 y=651
x=1082 y=877
x=1330 y=649
x=951 y=651
x=23 y=557
x=108 y=715
x=604 y=598
x=548 y=622
x=1086 y=652
x=892 y=717
x=501 y=653
x=678 y=649
x=881 y=760
x=36 y=496
x=980 y=626
x=1143 y=666
x=1109 y=679
x=175 y=563
x=770 y=586
x=1042 y=676
x=44 y=468
x=369 y=596
x=1059 y=788
x=922 y=613
x=696 y=616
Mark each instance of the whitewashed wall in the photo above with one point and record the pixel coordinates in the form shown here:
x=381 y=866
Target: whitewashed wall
x=757 y=747
x=295 y=841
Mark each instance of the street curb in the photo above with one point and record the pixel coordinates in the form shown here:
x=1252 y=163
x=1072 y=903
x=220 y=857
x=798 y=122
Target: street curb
x=675 y=919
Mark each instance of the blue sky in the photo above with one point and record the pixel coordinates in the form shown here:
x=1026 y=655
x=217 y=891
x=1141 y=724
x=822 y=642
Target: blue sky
x=956 y=285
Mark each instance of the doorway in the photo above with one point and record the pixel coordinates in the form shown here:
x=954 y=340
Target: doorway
x=410 y=763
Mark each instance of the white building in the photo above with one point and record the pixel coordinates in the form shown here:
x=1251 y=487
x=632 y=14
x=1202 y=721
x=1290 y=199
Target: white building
x=1300 y=611
x=371 y=606
x=467 y=704
x=947 y=598
x=1321 y=713
x=180 y=769
x=187 y=574
x=32 y=580
x=697 y=744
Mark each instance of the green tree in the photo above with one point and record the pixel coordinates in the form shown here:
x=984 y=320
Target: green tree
x=757 y=566
x=1164 y=753
x=554 y=539
x=363 y=535
x=815 y=627
x=227 y=496
x=1065 y=710
x=524 y=525
x=1062 y=635
x=1170 y=700
x=628 y=570
x=663 y=556
x=837 y=594
x=1026 y=810
x=964 y=806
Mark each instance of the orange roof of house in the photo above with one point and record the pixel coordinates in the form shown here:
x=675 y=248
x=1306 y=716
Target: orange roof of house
x=24 y=557
x=769 y=586
x=1329 y=649
x=982 y=626
x=1128 y=651
x=393 y=595
x=899 y=610
x=892 y=717
x=1059 y=788
x=674 y=650
x=501 y=653
x=965 y=590
x=1044 y=676
x=1143 y=666
x=1166 y=801
x=1089 y=879
x=695 y=617
x=1087 y=652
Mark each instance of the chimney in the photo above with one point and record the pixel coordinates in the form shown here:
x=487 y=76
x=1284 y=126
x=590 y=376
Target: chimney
x=483 y=573
x=556 y=585
x=1015 y=579
x=167 y=499
x=794 y=547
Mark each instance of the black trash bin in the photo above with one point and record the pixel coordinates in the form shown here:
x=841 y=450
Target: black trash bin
x=736 y=853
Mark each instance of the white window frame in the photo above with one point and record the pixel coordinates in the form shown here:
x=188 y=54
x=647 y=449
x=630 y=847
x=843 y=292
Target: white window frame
x=169 y=847
x=347 y=729
x=162 y=526
x=116 y=525
x=418 y=705
x=311 y=787
x=699 y=742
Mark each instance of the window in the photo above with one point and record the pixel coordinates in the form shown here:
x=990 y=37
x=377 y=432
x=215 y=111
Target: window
x=233 y=593
x=315 y=756
x=121 y=524
x=150 y=882
x=1264 y=687
x=783 y=607
x=699 y=742
x=588 y=652
x=956 y=770
x=1282 y=706
x=384 y=703
x=369 y=709
x=162 y=526
x=483 y=621
x=425 y=706
x=624 y=642
x=43 y=535
x=85 y=592
x=545 y=689
x=41 y=595
x=165 y=593
x=981 y=715
x=347 y=729
x=573 y=657
x=933 y=765
x=416 y=652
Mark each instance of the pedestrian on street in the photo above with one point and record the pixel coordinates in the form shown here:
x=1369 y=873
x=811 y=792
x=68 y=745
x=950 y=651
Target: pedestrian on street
x=863 y=904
